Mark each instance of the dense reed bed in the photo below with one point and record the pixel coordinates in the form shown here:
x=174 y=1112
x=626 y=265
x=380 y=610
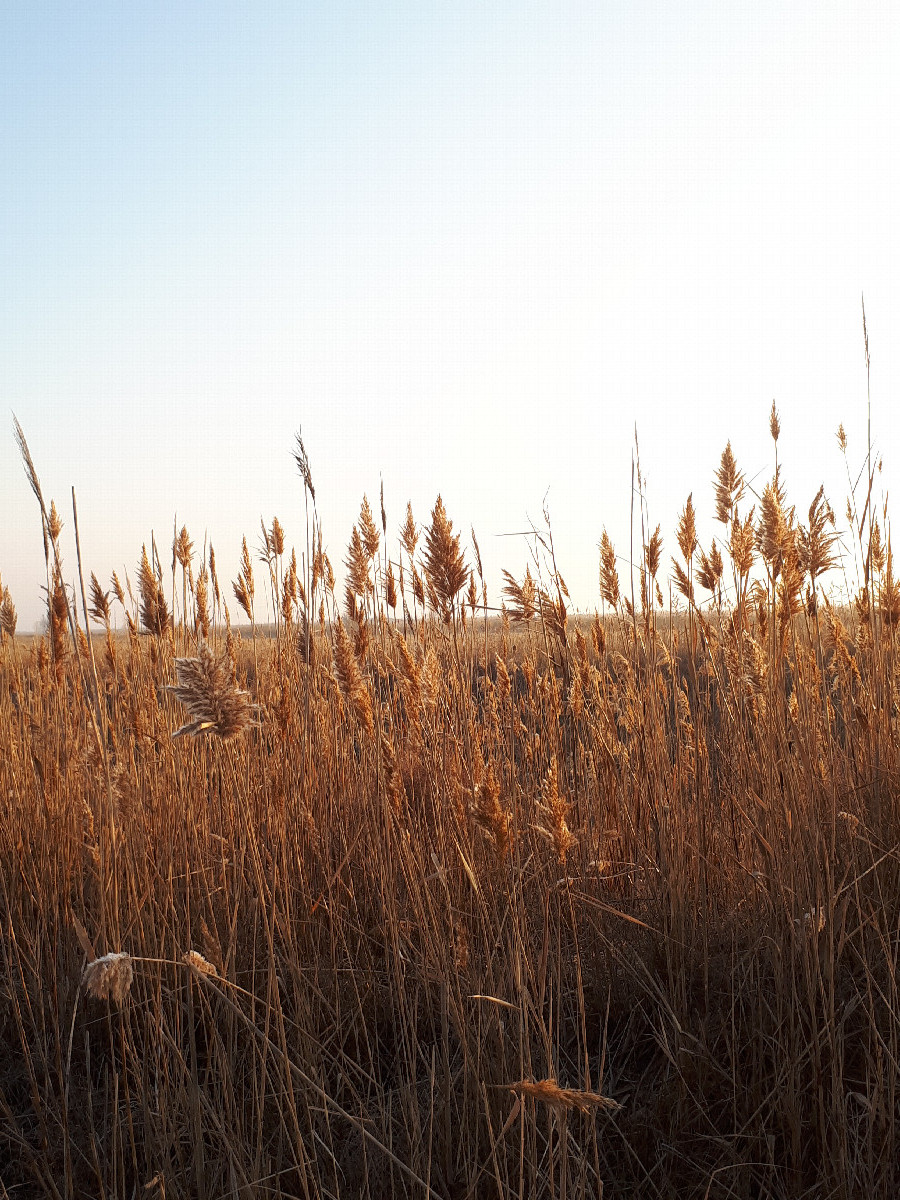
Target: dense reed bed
x=402 y=897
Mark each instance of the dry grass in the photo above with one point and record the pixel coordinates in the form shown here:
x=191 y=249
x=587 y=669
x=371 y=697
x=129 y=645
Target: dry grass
x=466 y=907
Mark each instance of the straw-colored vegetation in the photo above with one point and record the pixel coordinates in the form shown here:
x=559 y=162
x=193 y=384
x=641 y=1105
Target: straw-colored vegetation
x=400 y=898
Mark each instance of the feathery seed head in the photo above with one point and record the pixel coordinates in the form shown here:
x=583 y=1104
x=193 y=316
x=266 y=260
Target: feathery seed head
x=111 y=975
x=682 y=581
x=302 y=462
x=117 y=589
x=743 y=544
x=876 y=548
x=247 y=568
x=687 y=530
x=208 y=689
x=729 y=483
x=522 y=596
x=30 y=471
x=598 y=636
x=477 y=555
x=555 y=809
x=815 y=544
x=653 y=552
x=371 y=539
x=445 y=565
x=774 y=423
x=154 y=609
x=357 y=564
x=408 y=534
x=54 y=522
x=99 y=607
x=609 y=574
x=472 y=593
x=202 y=603
x=350 y=678
x=550 y=1093
x=774 y=536
x=390 y=587
x=8 y=616
x=489 y=813
x=183 y=548
x=889 y=592
x=195 y=960
x=709 y=571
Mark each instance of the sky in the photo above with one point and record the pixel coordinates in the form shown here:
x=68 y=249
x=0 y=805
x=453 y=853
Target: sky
x=468 y=249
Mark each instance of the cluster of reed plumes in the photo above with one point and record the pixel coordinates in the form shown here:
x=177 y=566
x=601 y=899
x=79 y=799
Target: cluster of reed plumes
x=432 y=901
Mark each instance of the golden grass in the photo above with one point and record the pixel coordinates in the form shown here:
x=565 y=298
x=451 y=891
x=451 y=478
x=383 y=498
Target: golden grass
x=472 y=906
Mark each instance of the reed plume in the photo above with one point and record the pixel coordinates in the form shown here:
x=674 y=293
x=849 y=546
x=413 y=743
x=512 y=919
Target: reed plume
x=411 y=672
x=243 y=586
x=445 y=565
x=523 y=597
x=302 y=461
x=117 y=589
x=58 y=620
x=682 y=581
x=409 y=535
x=30 y=470
x=109 y=976
x=687 y=530
x=201 y=602
x=417 y=586
x=154 y=609
x=195 y=960
x=709 y=571
x=554 y=614
x=8 y=615
x=742 y=546
x=208 y=689
x=774 y=534
x=357 y=564
x=556 y=811
x=54 y=523
x=653 y=553
x=686 y=536
x=371 y=539
x=477 y=555
x=609 y=574
x=390 y=587
x=349 y=676
x=214 y=576
x=729 y=485
x=183 y=549
x=489 y=813
x=816 y=542
x=100 y=606
x=876 y=552
x=472 y=593
x=889 y=592
x=550 y=1093
x=598 y=636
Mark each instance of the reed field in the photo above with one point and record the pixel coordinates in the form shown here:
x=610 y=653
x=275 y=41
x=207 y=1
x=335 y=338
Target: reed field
x=420 y=891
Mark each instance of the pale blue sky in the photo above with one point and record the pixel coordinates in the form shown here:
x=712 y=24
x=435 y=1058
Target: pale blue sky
x=467 y=247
